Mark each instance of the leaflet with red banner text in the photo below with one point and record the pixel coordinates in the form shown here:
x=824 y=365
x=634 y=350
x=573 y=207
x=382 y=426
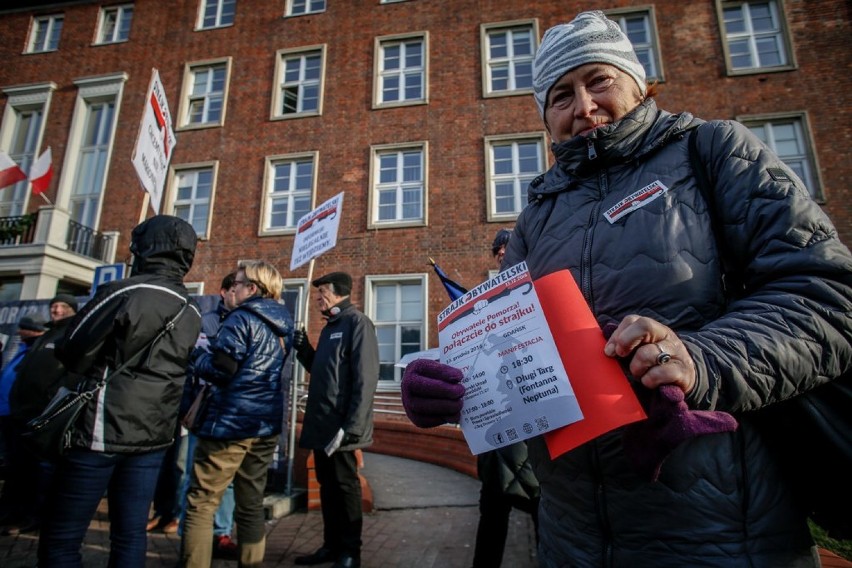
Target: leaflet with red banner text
x=515 y=384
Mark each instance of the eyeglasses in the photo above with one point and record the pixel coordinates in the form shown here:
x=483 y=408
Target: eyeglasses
x=241 y=282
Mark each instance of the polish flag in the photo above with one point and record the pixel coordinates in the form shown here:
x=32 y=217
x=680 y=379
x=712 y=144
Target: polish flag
x=42 y=172
x=10 y=172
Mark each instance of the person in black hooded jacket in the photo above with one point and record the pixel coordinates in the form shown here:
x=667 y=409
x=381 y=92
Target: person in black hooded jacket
x=119 y=439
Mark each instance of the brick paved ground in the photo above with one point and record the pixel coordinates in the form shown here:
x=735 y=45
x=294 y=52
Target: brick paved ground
x=426 y=517
x=429 y=537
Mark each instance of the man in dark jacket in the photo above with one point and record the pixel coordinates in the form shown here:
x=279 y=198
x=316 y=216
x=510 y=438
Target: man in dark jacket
x=149 y=323
x=338 y=419
x=40 y=375
x=13 y=502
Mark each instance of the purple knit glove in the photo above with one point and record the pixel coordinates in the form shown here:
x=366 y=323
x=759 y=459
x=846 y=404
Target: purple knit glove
x=670 y=421
x=649 y=442
x=431 y=393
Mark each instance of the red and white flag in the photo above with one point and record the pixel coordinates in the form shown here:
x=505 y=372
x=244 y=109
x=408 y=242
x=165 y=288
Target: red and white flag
x=42 y=172
x=10 y=172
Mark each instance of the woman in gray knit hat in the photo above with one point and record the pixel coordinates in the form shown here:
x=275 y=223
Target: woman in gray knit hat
x=719 y=297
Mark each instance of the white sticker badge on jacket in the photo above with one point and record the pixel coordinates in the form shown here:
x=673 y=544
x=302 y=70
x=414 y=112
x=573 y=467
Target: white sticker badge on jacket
x=635 y=200
x=337 y=335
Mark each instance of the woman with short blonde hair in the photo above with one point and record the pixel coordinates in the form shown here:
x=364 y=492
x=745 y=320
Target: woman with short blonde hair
x=265 y=276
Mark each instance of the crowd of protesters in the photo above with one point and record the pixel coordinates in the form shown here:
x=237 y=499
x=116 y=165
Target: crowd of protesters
x=656 y=275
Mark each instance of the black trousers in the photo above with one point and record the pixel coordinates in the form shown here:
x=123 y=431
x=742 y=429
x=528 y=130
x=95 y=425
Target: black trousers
x=340 y=496
x=494 y=509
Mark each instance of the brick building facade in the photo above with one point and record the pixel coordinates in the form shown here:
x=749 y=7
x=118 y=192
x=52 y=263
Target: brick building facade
x=419 y=111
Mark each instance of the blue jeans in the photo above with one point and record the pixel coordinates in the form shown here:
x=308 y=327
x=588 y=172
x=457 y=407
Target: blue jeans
x=81 y=479
x=223 y=520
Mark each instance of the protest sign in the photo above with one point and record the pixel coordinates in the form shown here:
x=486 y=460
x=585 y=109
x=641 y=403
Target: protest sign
x=155 y=142
x=316 y=232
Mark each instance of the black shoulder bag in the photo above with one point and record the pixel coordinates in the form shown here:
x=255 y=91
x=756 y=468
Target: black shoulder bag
x=48 y=435
x=811 y=433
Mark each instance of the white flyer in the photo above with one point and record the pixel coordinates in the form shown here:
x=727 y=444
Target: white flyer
x=515 y=384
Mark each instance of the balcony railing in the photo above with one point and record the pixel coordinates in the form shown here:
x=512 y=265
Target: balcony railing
x=18 y=230
x=88 y=242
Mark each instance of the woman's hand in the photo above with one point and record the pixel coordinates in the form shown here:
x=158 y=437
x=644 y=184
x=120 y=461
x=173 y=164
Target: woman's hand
x=657 y=355
x=432 y=393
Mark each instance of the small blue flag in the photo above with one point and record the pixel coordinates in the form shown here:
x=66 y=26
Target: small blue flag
x=454 y=289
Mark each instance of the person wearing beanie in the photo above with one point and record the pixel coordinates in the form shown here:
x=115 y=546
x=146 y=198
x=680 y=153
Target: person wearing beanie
x=64 y=305
x=719 y=285
x=338 y=420
x=15 y=501
x=590 y=38
x=40 y=375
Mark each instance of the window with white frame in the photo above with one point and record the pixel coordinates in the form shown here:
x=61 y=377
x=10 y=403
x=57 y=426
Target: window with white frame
x=91 y=140
x=115 y=23
x=512 y=162
x=787 y=136
x=44 y=33
x=397 y=307
x=289 y=191
x=294 y=293
x=756 y=36
x=216 y=13
x=205 y=88
x=508 y=57
x=640 y=28
x=21 y=134
x=302 y=7
x=192 y=196
x=402 y=70
x=92 y=163
x=194 y=288
x=299 y=80
x=298 y=289
x=399 y=185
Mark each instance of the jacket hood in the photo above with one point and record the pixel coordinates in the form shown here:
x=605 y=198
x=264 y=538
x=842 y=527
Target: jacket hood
x=276 y=315
x=161 y=244
x=643 y=130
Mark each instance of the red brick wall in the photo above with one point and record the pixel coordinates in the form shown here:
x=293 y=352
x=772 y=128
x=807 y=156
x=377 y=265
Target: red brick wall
x=454 y=121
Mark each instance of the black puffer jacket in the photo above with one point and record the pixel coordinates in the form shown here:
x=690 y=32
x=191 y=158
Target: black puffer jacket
x=508 y=471
x=719 y=500
x=137 y=410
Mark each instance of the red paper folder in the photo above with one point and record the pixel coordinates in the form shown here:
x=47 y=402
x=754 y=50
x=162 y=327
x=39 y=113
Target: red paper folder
x=603 y=392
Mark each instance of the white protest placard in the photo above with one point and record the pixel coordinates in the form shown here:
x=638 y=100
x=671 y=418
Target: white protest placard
x=316 y=232
x=515 y=383
x=155 y=142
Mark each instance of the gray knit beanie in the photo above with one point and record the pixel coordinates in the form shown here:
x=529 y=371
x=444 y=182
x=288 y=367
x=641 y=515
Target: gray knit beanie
x=590 y=38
